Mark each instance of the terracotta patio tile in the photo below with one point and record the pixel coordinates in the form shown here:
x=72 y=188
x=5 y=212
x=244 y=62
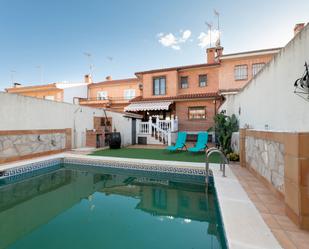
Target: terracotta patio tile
x=248 y=189
x=276 y=209
x=253 y=197
x=261 y=190
x=271 y=221
x=300 y=239
x=261 y=207
x=269 y=199
x=283 y=239
x=272 y=210
x=285 y=223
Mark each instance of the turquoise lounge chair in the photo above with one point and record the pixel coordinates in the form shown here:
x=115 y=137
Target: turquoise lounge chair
x=180 y=143
x=201 y=143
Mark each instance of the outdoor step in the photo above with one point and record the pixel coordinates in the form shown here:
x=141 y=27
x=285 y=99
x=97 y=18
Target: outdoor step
x=150 y=139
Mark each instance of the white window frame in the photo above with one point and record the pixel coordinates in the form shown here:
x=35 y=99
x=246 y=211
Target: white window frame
x=197 y=116
x=184 y=82
x=49 y=97
x=102 y=95
x=256 y=67
x=202 y=83
x=241 y=72
x=129 y=93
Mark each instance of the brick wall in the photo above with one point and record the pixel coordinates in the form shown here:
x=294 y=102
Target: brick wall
x=114 y=89
x=171 y=83
x=193 y=79
x=226 y=72
x=195 y=125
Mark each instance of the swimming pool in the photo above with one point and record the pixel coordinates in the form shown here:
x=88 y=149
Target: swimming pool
x=79 y=206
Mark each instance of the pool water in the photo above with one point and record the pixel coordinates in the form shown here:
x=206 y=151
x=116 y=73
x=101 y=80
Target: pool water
x=84 y=207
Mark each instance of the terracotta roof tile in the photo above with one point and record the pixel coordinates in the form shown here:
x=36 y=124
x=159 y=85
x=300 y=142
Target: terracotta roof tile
x=178 y=97
x=95 y=84
x=179 y=68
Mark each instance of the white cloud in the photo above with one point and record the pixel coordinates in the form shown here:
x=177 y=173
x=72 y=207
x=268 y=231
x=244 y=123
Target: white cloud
x=175 y=47
x=173 y=41
x=168 y=40
x=186 y=35
x=204 y=38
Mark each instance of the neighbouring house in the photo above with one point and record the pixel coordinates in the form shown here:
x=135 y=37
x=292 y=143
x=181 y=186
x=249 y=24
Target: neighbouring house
x=47 y=91
x=183 y=98
x=191 y=95
x=237 y=69
x=112 y=94
x=61 y=92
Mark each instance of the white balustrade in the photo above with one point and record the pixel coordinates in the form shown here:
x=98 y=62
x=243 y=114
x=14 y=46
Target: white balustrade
x=161 y=129
x=143 y=128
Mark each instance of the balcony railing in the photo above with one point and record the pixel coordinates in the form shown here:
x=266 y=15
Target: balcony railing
x=104 y=100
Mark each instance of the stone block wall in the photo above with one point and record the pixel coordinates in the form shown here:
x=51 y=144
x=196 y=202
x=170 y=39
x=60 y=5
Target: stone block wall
x=16 y=145
x=281 y=160
x=266 y=157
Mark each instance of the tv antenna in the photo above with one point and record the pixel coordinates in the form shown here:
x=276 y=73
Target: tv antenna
x=89 y=56
x=217 y=14
x=209 y=25
x=13 y=72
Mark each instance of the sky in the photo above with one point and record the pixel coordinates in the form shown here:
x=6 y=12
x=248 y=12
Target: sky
x=46 y=41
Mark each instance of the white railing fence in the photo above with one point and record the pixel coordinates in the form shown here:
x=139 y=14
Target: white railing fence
x=159 y=134
x=160 y=129
x=143 y=128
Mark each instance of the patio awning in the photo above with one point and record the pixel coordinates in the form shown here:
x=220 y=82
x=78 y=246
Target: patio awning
x=148 y=106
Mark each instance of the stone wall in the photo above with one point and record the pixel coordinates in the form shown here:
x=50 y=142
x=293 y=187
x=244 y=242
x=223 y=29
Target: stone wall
x=235 y=142
x=267 y=158
x=15 y=145
x=281 y=161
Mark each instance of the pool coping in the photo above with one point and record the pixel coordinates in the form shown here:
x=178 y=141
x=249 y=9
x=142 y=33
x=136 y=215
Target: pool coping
x=243 y=225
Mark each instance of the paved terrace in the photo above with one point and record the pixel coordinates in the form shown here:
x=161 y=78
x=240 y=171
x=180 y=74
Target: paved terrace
x=272 y=209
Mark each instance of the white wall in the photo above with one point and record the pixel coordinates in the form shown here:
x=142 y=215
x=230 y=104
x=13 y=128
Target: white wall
x=71 y=90
x=27 y=113
x=269 y=99
x=122 y=125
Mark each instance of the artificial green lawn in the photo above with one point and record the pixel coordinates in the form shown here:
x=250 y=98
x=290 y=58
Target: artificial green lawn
x=157 y=154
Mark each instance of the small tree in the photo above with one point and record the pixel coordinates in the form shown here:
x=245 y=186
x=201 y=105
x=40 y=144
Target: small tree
x=224 y=127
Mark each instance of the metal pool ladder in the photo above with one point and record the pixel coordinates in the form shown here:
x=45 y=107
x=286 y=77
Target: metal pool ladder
x=224 y=161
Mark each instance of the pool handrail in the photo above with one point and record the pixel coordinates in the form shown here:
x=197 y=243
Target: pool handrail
x=224 y=161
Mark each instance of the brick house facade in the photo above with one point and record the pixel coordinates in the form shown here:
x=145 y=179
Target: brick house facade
x=191 y=93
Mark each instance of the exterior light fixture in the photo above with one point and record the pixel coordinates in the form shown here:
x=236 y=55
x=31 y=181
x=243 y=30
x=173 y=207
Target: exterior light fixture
x=302 y=84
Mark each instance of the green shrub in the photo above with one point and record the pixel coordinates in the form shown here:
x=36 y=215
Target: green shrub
x=224 y=128
x=233 y=157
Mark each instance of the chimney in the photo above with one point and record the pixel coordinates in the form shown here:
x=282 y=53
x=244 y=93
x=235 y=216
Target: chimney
x=108 y=77
x=298 y=27
x=88 y=78
x=16 y=85
x=211 y=55
x=219 y=52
